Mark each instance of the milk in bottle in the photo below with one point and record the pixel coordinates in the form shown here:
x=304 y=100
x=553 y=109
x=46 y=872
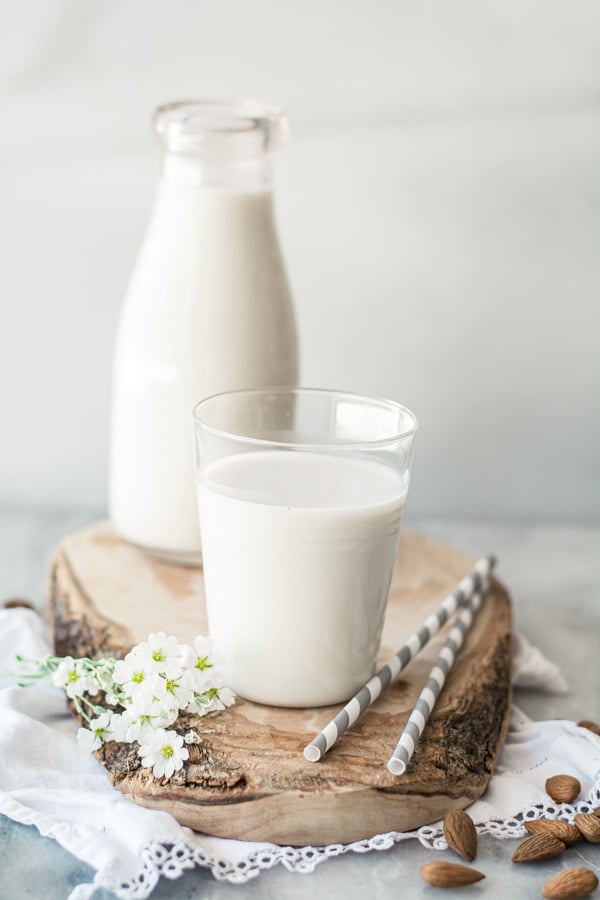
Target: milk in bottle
x=208 y=310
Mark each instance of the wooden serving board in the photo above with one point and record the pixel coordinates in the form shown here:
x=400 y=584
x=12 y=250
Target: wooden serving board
x=248 y=779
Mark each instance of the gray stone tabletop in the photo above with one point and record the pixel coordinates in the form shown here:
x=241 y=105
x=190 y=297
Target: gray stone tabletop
x=553 y=575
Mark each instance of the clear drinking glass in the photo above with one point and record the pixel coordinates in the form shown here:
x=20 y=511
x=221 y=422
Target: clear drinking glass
x=300 y=497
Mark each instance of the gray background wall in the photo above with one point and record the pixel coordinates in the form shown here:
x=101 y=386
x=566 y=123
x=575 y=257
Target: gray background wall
x=439 y=207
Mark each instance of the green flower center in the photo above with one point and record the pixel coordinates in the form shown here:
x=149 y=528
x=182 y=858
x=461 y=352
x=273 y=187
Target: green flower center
x=72 y=676
x=167 y=751
x=158 y=655
x=138 y=677
x=202 y=663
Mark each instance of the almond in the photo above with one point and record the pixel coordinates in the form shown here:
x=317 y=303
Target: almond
x=460 y=834
x=577 y=882
x=568 y=834
x=448 y=875
x=589 y=825
x=563 y=788
x=538 y=846
x=16 y=603
x=591 y=726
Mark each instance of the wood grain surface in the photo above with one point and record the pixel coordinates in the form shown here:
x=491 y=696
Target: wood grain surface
x=248 y=778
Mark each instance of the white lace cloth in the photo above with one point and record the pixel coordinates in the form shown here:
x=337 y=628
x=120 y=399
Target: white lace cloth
x=46 y=780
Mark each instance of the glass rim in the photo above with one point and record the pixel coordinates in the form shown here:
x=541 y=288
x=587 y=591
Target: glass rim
x=380 y=402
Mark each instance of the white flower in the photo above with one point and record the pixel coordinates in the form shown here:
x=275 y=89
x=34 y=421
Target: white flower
x=120 y=725
x=161 y=654
x=203 y=660
x=175 y=691
x=207 y=655
x=226 y=696
x=134 y=673
x=153 y=701
x=60 y=677
x=215 y=699
x=133 y=725
x=165 y=718
x=164 y=752
x=98 y=732
x=221 y=698
x=71 y=676
x=213 y=678
x=129 y=726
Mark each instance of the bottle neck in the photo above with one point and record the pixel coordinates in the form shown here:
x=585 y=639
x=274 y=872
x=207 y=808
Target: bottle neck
x=247 y=174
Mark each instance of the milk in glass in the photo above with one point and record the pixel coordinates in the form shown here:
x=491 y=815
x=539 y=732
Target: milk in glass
x=299 y=549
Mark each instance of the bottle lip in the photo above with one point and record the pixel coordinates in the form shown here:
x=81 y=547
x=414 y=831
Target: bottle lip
x=247 y=126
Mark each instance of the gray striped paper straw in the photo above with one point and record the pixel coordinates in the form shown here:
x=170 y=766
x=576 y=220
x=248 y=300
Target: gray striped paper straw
x=437 y=677
x=367 y=695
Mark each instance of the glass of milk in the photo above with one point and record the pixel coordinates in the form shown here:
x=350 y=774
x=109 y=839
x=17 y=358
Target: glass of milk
x=300 y=496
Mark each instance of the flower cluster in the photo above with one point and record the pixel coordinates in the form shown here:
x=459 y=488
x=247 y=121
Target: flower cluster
x=143 y=695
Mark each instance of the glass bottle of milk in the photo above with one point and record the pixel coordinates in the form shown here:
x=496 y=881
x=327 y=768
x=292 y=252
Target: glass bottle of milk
x=208 y=309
